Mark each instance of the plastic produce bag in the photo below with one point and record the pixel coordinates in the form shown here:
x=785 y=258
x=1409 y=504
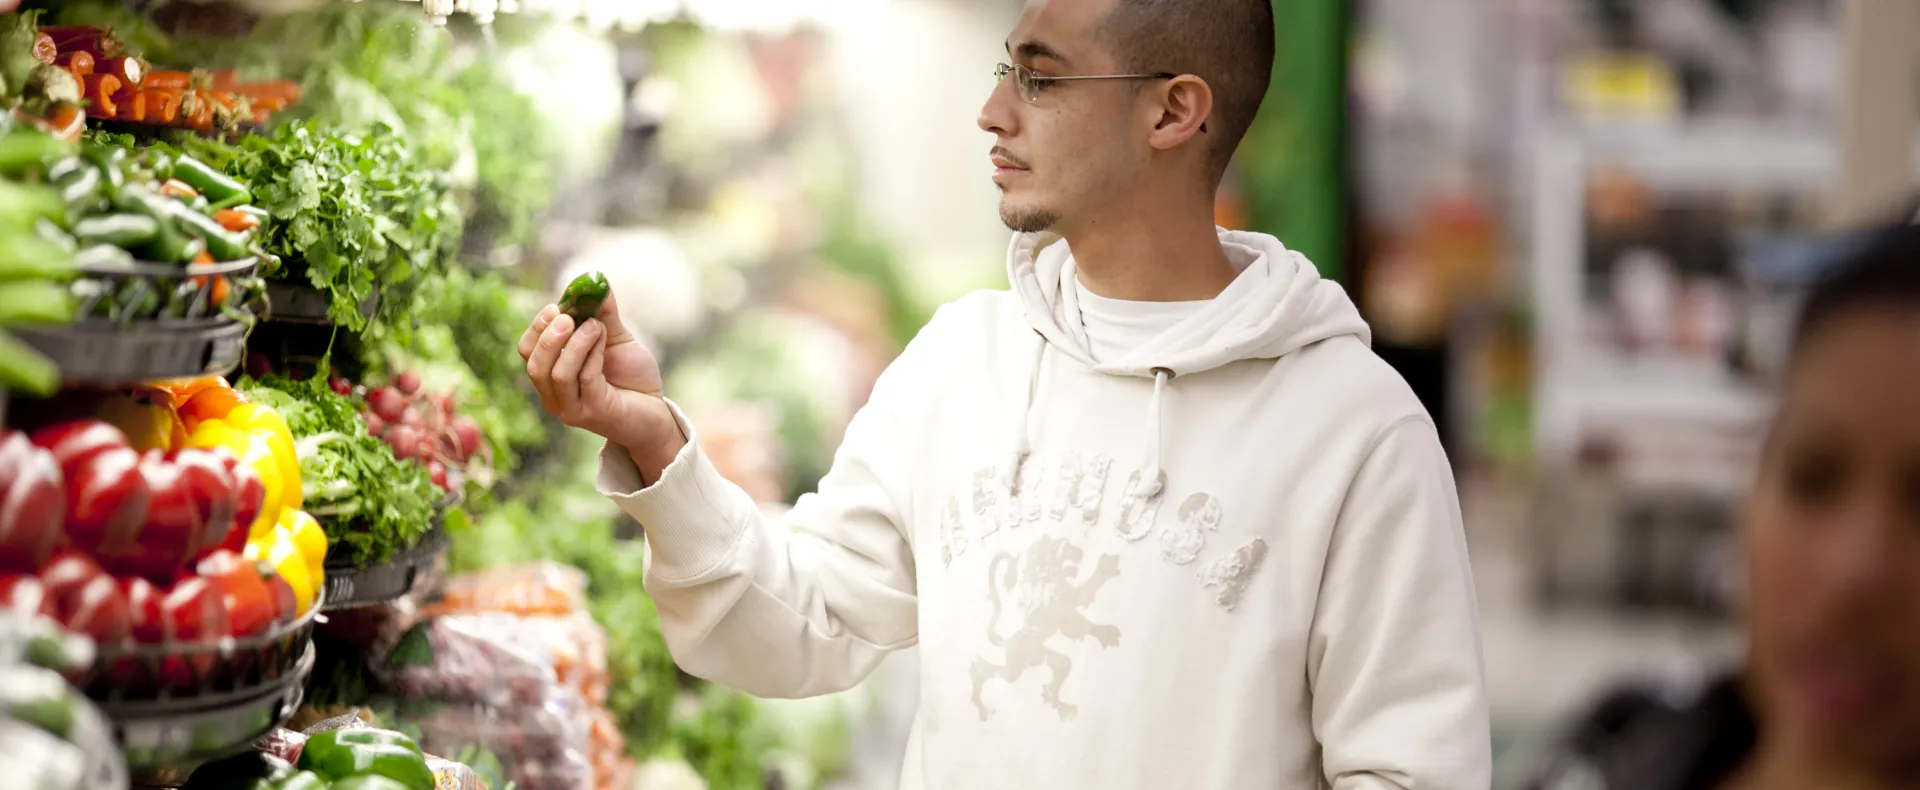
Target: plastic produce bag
x=543 y=588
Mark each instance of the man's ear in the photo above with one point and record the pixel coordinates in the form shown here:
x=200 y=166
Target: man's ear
x=1185 y=104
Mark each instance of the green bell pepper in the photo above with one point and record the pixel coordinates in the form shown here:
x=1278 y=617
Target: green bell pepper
x=585 y=296
x=304 y=780
x=367 y=783
x=348 y=754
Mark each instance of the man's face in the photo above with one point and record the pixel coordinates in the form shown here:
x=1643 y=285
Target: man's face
x=1057 y=157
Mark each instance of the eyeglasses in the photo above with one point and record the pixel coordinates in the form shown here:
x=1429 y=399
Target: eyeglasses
x=1031 y=84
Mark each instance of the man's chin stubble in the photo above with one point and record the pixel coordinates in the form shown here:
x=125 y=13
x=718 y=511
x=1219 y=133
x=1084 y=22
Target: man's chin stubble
x=1027 y=220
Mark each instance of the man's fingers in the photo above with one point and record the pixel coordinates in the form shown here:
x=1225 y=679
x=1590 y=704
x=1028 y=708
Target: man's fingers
x=566 y=370
x=539 y=325
x=610 y=315
x=546 y=351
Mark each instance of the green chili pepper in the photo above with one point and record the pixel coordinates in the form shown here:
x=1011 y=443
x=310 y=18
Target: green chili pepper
x=585 y=296
x=108 y=159
x=24 y=150
x=223 y=244
x=103 y=256
x=214 y=184
x=122 y=230
x=80 y=189
x=169 y=244
x=159 y=162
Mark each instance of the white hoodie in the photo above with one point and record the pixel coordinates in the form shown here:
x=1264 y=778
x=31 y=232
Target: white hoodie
x=1231 y=560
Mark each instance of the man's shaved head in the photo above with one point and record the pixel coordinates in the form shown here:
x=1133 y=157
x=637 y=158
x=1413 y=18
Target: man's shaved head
x=1228 y=43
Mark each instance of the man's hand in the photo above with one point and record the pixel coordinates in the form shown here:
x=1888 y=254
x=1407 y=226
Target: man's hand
x=599 y=378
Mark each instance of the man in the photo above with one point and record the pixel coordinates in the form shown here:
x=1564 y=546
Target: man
x=1158 y=518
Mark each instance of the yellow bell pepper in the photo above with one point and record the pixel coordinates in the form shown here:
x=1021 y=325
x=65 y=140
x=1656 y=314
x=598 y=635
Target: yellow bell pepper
x=311 y=539
x=255 y=418
x=280 y=550
x=255 y=453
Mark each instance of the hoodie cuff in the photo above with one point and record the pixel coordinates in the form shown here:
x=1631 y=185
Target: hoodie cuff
x=692 y=515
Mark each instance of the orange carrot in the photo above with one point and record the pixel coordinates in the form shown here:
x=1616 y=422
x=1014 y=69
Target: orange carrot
x=67 y=122
x=129 y=71
x=168 y=80
x=236 y=221
x=163 y=106
x=133 y=106
x=45 y=50
x=174 y=187
x=99 y=92
x=78 y=62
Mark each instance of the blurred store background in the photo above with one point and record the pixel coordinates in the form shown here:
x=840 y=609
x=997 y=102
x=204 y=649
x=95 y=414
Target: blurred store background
x=1578 y=228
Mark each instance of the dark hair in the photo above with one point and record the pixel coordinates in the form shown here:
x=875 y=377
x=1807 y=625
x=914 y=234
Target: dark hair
x=1228 y=43
x=1884 y=274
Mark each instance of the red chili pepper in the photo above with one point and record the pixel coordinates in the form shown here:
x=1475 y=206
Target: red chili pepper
x=33 y=504
x=249 y=604
x=25 y=595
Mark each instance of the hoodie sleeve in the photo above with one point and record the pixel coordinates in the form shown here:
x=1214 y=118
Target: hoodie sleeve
x=1394 y=661
x=796 y=606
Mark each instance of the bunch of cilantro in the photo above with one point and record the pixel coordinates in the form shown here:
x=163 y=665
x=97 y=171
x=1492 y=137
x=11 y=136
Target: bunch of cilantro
x=353 y=214
x=371 y=503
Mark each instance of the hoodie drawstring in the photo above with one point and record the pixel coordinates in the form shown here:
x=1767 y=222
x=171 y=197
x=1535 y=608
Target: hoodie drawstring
x=1021 y=444
x=1022 y=420
x=1150 y=475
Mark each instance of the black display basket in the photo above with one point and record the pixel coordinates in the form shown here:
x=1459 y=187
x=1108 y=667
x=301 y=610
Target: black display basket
x=148 y=680
x=146 y=321
x=351 y=586
x=299 y=304
x=163 y=746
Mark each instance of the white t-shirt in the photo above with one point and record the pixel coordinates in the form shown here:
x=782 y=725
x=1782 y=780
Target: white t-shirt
x=1117 y=326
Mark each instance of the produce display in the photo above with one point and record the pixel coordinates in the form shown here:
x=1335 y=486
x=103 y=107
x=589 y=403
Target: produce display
x=58 y=738
x=205 y=542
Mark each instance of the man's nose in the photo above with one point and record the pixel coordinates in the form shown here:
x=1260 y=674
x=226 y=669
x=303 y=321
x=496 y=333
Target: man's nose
x=996 y=116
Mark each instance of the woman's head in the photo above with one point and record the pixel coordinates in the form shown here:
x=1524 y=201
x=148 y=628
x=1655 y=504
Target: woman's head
x=1833 y=528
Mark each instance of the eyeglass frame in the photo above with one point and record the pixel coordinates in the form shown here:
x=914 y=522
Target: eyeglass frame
x=1001 y=70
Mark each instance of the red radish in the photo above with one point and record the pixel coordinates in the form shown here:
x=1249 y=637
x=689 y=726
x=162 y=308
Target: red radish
x=445 y=401
x=339 y=386
x=388 y=403
x=410 y=416
x=375 y=425
x=405 y=441
x=408 y=383
x=438 y=471
x=467 y=434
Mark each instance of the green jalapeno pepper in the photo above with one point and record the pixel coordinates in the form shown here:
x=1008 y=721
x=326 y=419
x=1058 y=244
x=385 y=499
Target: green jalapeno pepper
x=585 y=296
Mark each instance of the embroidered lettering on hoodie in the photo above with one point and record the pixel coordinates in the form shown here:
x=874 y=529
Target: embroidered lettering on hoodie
x=986 y=487
x=1078 y=488
x=1227 y=577
x=1030 y=492
x=1138 y=511
x=953 y=533
x=1199 y=515
x=1050 y=601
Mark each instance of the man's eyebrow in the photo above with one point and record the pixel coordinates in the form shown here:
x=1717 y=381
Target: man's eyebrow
x=1034 y=50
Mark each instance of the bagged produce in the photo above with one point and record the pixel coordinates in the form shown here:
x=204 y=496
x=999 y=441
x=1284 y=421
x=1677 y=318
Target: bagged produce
x=547 y=588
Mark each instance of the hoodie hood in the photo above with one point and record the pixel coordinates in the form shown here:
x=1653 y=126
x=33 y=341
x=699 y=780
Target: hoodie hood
x=1289 y=306
x=1284 y=308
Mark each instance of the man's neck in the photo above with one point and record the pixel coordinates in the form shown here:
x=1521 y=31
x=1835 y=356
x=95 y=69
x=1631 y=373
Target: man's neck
x=1148 y=258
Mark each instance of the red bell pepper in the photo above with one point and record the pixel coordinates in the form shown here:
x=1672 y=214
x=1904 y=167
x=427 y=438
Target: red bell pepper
x=94 y=607
x=26 y=595
x=211 y=484
x=286 y=606
x=249 y=496
x=143 y=603
x=32 y=504
x=249 y=603
x=106 y=496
